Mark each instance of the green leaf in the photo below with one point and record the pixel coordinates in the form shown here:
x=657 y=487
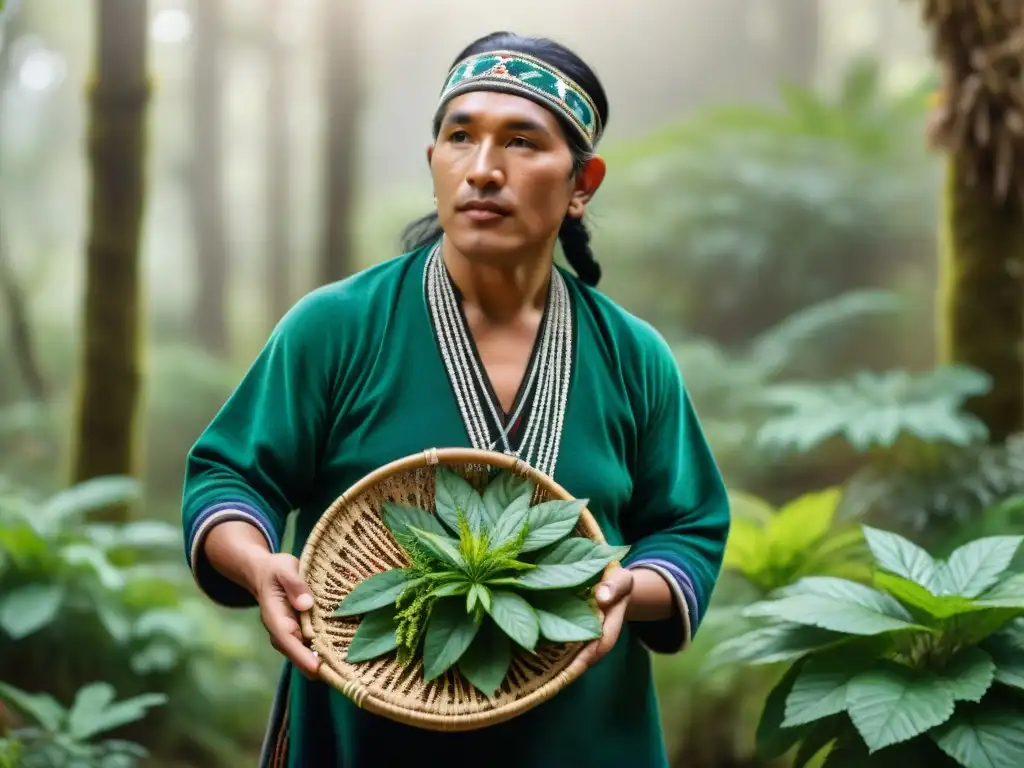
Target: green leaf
x=86 y=497
x=441 y=548
x=508 y=526
x=983 y=737
x=829 y=613
x=773 y=644
x=374 y=636
x=824 y=733
x=773 y=740
x=455 y=495
x=566 y=618
x=25 y=610
x=478 y=593
x=890 y=704
x=912 y=594
x=452 y=589
x=399 y=518
x=976 y=566
x=485 y=664
x=377 y=591
x=850 y=592
x=901 y=557
x=450 y=630
x=516 y=618
x=801 y=524
x=821 y=689
x=1008 y=593
x=1008 y=656
x=969 y=675
x=551 y=521
x=94 y=710
x=570 y=563
x=502 y=491
x=43 y=709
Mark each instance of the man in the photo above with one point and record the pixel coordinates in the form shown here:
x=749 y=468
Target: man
x=474 y=337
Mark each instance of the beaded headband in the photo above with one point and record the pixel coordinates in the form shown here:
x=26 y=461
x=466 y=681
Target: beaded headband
x=524 y=75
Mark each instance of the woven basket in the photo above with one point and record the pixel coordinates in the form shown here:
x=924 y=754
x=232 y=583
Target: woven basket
x=350 y=543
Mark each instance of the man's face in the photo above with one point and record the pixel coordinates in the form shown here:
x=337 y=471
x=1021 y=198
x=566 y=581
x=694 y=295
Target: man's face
x=502 y=173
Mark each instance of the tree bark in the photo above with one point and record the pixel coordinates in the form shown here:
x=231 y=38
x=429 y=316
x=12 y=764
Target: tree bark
x=207 y=177
x=982 y=295
x=278 y=171
x=110 y=367
x=342 y=60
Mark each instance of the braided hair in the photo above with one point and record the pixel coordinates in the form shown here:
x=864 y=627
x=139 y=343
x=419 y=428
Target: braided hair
x=573 y=235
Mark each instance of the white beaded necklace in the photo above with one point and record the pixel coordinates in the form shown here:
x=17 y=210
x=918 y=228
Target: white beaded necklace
x=547 y=382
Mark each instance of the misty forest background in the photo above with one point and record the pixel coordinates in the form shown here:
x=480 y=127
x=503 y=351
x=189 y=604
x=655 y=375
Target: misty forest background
x=846 y=309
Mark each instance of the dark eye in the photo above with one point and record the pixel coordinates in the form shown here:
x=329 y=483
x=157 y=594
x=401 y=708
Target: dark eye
x=519 y=141
x=458 y=136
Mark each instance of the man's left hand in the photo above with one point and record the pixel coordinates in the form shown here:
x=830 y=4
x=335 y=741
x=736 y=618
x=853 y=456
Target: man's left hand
x=613 y=596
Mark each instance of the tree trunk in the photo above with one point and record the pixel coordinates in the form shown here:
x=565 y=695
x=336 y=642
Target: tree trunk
x=342 y=99
x=278 y=211
x=110 y=376
x=207 y=177
x=982 y=295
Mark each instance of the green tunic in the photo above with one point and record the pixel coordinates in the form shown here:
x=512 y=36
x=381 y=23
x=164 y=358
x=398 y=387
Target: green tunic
x=352 y=379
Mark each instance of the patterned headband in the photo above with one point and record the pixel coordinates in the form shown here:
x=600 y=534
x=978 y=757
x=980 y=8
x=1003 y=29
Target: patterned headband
x=524 y=75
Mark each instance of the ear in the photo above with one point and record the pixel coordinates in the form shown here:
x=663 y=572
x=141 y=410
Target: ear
x=587 y=182
x=430 y=153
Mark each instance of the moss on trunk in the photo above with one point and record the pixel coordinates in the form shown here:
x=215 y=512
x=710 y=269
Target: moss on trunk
x=981 y=295
x=109 y=381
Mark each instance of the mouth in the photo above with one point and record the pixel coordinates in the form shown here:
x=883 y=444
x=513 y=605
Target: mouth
x=481 y=210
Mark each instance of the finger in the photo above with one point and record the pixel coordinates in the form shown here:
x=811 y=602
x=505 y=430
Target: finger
x=612 y=627
x=617 y=585
x=286 y=637
x=295 y=589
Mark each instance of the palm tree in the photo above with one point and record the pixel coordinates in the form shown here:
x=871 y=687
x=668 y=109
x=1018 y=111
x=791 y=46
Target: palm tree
x=119 y=93
x=979 y=124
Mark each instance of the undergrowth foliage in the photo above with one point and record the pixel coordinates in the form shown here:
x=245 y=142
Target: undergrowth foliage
x=929 y=662
x=489 y=572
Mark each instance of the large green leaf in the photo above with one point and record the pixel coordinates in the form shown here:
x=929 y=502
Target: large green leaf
x=1007 y=654
x=821 y=688
x=400 y=517
x=976 y=566
x=502 y=491
x=566 y=618
x=829 y=613
x=86 y=497
x=773 y=644
x=891 y=704
x=455 y=497
x=773 y=740
x=450 y=630
x=377 y=591
x=801 y=524
x=897 y=555
x=850 y=592
x=570 y=563
x=550 y=521
x=441 y=548
x=1008 y=593
x=375 y=636
x=488 y=658
x=94 y=710
x=43 y=709
x=984 y=737
x=25 y=610
x=516 y=618
x=913 y=595
x=508 y=526
x=969 y=674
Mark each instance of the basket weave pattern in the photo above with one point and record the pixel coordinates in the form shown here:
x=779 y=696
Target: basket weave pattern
x=350 y=543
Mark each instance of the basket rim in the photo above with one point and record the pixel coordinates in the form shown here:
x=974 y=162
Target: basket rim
x=363 y=696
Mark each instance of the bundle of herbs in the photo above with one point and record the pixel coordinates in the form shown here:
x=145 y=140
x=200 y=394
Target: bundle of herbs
x=489 y=572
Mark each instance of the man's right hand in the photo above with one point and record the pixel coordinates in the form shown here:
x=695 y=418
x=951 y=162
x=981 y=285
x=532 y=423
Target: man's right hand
x=281 y=593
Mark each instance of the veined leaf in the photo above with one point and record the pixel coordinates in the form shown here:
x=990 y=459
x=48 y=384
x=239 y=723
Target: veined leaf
x=452 y=589
x=516 y=618
x=969 y=675
x=821 y=688
x=983 y=737
x=1008 y=593
x=553 y=520
x=901 y=557
x=455 y=495
x=829 y=613
x=508 y=526
x=94 y=710
x=502 y=491
x=25 y=610
x=801 y=524
x=399 y=518
x=890 y=704
x=772 y=644
x=478 y=594
x=44 y=709
x=487 y=660
x=450 y=630
x=848 y=591
x=570 y=563
x=375 y=636
x=773 y=740
x=566 y=618
x=440 y=547
x=912 y=594
x=977 y=565
x=377 y=591
x=1008 y=657
x=746 y=548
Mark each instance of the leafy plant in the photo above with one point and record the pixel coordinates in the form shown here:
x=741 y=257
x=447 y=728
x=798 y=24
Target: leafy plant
x=928 y=661
x=487 y=571
x=67 y=737
x=874 y=410
x=773 y=548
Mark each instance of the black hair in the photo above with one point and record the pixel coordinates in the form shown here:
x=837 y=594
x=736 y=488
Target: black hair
x=573 y=234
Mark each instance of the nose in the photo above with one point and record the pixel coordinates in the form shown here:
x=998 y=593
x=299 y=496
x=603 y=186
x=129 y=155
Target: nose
x=485 y=169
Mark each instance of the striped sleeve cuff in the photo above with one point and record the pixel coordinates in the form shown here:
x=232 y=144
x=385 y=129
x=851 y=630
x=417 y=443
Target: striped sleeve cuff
x=675 y=633
x=218 y=587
